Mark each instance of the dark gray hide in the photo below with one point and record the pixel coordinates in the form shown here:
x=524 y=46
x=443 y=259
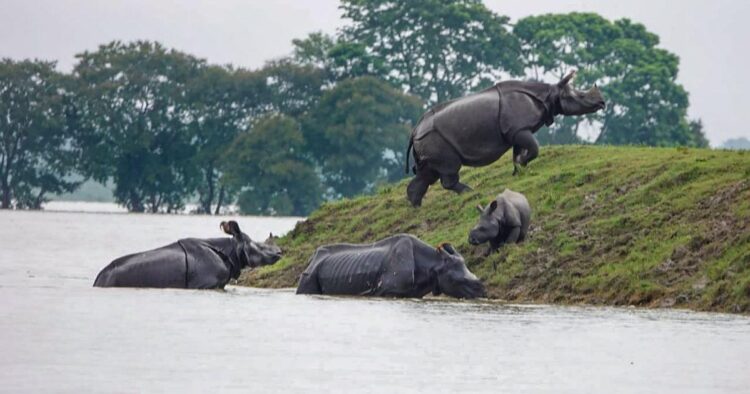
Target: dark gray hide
x=505 y=220
x=191 y=263
x=398 y=266
x=478 y=129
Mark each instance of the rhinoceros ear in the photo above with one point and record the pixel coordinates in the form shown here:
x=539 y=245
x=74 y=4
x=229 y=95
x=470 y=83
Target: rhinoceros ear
x=231 y=227
x=493 y=206
x=448 y=248
x=566 y=79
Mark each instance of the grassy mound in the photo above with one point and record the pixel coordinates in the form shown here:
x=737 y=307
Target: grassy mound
x=610 y=225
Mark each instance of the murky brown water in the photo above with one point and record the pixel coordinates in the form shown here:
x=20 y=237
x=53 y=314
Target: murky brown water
x=58 y=334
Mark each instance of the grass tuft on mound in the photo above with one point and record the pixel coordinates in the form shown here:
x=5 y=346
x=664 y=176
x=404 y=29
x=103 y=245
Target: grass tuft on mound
x=657 y=227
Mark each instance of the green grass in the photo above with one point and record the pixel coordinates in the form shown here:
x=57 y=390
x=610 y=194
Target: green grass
x=610 y=225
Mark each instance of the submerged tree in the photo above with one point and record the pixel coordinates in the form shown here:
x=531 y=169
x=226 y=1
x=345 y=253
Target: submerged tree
x=358 y=133
x=37 y=149
x=222 y=103
x=132 y=113
x=269 y=167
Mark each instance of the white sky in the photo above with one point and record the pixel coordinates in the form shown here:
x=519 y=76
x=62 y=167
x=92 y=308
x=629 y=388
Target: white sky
x=711 y=37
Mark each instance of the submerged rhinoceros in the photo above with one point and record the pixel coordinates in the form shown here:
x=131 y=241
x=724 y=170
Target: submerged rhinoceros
x=478 y=129
x=191 y=263
x=398 y=266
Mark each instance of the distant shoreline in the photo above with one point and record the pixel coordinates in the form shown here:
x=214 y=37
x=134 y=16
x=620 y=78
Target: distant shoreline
x=114 y=208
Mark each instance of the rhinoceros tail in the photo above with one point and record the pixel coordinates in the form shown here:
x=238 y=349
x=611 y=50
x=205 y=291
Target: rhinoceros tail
x=408 y=151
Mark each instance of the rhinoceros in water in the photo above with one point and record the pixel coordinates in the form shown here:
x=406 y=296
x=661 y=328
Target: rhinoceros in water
x=397 y=266
x=191 y=263
x=478 y=129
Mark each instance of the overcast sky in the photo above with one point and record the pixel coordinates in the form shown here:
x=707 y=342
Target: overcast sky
x=711 y=37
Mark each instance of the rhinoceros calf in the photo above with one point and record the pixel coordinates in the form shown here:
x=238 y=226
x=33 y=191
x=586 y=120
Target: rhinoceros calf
x=398 y=266
x=191 y=263
x=478 y=129
x=505 y=220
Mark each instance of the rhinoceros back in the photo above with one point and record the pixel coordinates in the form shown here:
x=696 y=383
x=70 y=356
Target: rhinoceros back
x=354 y=271
x=471 y=126
x=162 y=267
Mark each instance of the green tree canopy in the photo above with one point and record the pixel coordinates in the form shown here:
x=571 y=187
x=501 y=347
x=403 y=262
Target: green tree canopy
x=268 y=164
x=222 y=102
x=290 y=88
x=358 y=132
x=132 y=113
x=435 y=49
x=645 y=103
x=339 y=58
x=37 y=149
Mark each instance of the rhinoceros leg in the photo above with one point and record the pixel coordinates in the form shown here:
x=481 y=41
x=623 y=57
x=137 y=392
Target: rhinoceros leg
x=517 y=153
x=495 y=244
x=513 y=235
x=420 y=183
x=308 y=284
x=443 y=159
x=450 y=182
x=525 y=149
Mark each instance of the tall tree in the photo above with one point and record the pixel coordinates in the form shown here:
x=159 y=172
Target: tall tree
x=228 y=102
x=339 y=58
x=435 y=49
x=269 y=166
x=552 y=45
x=37 y=149
x=132 y=114
x=645 y=103
x=314 y=49
x=647 y=106
x=358 y=133
x=290 y=88
x=223 y=102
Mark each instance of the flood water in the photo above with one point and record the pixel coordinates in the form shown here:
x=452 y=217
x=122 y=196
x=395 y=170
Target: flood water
x=58 y=334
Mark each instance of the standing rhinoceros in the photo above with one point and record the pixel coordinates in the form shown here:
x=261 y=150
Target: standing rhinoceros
x=477 y=129
x=505 y=220
x=191 y=263
x=398 y=266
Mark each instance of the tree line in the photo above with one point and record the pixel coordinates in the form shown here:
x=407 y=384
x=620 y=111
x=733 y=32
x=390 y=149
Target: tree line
x=330 y=120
